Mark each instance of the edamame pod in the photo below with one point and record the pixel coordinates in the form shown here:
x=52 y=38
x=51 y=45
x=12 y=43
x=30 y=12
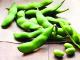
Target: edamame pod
x=74 y=36
x=66 y=27
x=28 y=34
x=34 y=34
x=50 y=10
x=46 y=11
x=45 y=24
x=25 y=24
x=11 y=14
x=33 y=5
x=31 y=46
x=32 y=13
x=44 y=3
x=33 y=20
x=56 y=20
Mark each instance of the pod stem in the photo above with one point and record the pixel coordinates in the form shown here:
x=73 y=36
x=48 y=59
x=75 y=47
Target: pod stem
x=56 y=28
x=63 y=1
x=7 y=9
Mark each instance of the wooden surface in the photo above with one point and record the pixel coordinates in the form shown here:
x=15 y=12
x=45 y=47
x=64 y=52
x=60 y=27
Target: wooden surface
x=8 y=51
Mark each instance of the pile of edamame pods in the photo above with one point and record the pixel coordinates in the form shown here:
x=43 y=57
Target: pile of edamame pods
x=42 y=24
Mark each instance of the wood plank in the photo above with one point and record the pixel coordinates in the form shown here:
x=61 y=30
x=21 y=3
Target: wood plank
x=8 y=51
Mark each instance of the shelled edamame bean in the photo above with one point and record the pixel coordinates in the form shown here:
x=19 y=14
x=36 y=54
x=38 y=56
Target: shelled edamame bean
x=58 y=53
x=68 y=45
x=70 y=51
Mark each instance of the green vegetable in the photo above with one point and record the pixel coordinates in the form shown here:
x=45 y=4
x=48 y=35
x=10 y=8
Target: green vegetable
x=74 y=36
x=25 y=24
x=68 y=45
x=32 y=13
x=35 y=34
x=70 y=51
x=46 y=11
x=45 y=24
x=10 y=17
x=28 y=34
x=40 y=40
x=58 y=53
x=56 y=20
x=34 y=5
x=33 y=20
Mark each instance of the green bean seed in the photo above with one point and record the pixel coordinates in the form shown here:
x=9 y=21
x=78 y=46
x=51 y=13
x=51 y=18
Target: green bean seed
x=58 y=53
x=70 y=51
x=68 y=45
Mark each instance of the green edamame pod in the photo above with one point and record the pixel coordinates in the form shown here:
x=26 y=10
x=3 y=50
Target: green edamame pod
x=25 y=24
x=50 y=10
x=44 y=3
x=46 y=11
x=70 y=51
x=59 y=11
x=34 y=5
x=34 y=34
x=11 y=14
x=68 y=45
x=45 y=24
x=28 y=34
x=32 y=13
x=66 y=27
x=31 y=46
x=42 y=20
x=56 y=20
x=58 y=53
x=74 y=36
x=33 y=20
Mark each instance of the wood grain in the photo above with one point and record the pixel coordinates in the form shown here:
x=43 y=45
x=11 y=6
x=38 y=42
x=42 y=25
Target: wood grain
x=9 y=51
